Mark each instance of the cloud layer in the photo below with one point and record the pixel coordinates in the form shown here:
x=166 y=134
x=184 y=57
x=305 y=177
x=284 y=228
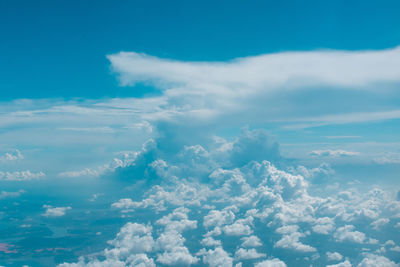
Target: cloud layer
x=224 y=213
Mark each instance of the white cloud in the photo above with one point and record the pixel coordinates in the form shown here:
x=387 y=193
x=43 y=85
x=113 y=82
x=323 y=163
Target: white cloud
x=233 y=203
x=395 y=248
x=177 y=220
x=374 y=260
x=12 y=156
x=95 y=263
x=218 y=218
x=247 y=254
x=251 y=241
x=140 y=260
x=179 y=256
x=5 y=194
x=342 y=118
x=217 y=257
x=209 y=241
x=333 y=256
x=291 y=241
x=333 y=153
x=133 y=238
x=240 y=227
x=388 y=158
x=255 y=84
x=171 y=242
x=85 y=172
x=288 y=69
x=101 y=170
x=271 y=263
x=324 y=225
x=346 y=263
x=21 y=175
x=55 y=211
x=379 y=223
x=346 y=233
x=94 y=129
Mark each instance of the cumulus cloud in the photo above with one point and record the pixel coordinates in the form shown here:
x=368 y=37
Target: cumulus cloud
x=55 y=211
x=232 y=213
x=271 y=263
x=376 y=260
x=251 y=241
x=334 y=256
x=346 y=233
x=218 y=218
x=240 y=227
x=216 y=257
x=290 y=240
x=209 y=241
x=248 y=254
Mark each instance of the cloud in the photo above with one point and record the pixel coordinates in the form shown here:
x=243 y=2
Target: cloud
x=342 y=118
x=12 y=156
x=5 y=194
x=346 y=263
x=171 y=242
x=248 y=254
x=228 y=213
x=251 y=241
x=240 y=90
x=255 y=145
x=55 y=211
x=94 y=129
x=208 y=241
x=218 y=218
x=269 y=72
x=375 y=260
x=21 y=175
x=271 y=263
x=133 y=238
x=125 y=161
x=333 y=256
x=179 y=256
x=140 y=260
x=290 y=240
x=216 y=257
x=379 y=223
x=239 y=227
x=324 y=225
x=346 y=233
x=388 y=158
x=333 y=153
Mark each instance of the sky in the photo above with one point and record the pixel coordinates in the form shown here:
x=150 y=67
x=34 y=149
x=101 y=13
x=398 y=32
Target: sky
x=199 y=133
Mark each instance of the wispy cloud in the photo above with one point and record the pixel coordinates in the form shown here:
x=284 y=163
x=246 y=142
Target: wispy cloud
x=242 y=89
x=21 y=175
x=333 y=153
x=265 y=72
x=355 y=117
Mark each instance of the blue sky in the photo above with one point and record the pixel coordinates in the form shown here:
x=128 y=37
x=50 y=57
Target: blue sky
x=66 y=42
x=199 y=133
